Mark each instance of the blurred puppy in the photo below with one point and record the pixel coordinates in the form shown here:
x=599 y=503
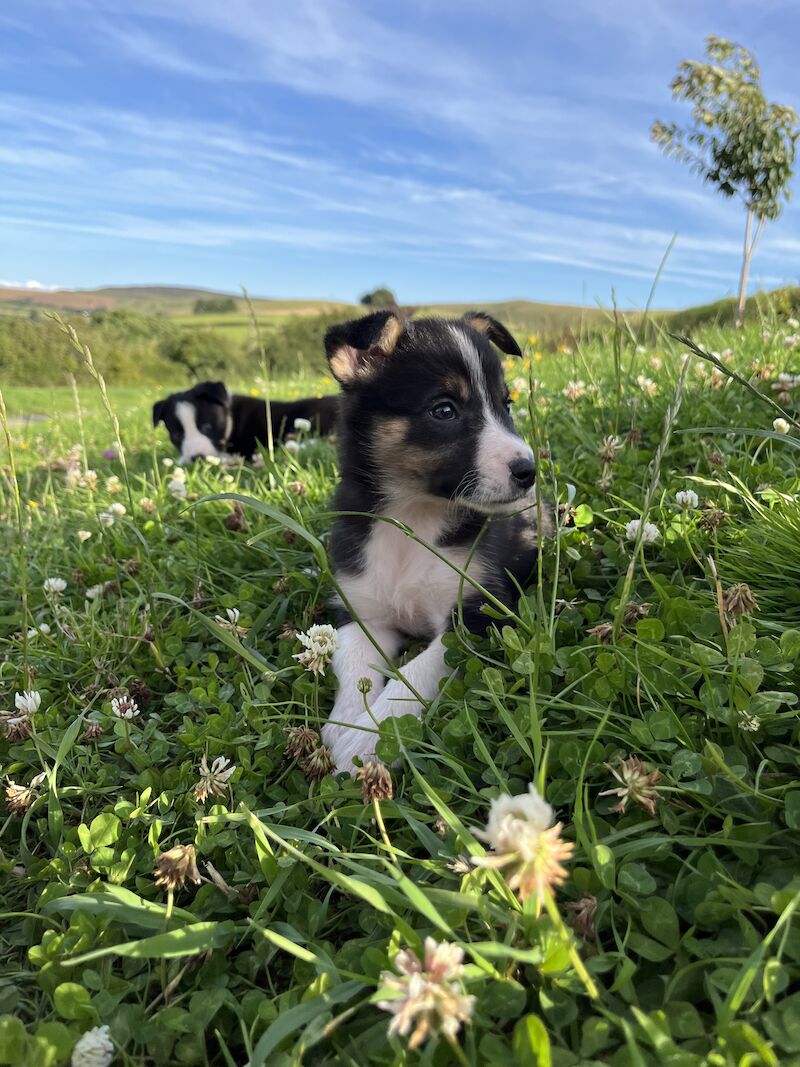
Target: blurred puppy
x=207 y=420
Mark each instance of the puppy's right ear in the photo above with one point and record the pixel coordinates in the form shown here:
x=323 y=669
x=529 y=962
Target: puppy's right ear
x=158 y=411
x=357 y=349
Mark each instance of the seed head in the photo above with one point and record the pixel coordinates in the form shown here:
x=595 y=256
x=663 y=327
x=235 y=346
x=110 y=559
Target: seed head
x=739 y=600
x=636 y=784
x=318 y=764
x=301 y=741
x=376 y=781
x=175 y=867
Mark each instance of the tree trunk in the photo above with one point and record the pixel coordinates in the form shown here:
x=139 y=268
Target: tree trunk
x=748 y=251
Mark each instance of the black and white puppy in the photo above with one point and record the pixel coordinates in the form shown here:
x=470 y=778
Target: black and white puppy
x=207 y=420
x=425 y=438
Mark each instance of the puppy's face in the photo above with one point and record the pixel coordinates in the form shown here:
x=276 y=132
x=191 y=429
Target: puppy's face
x=429 y=405
x=197 y=420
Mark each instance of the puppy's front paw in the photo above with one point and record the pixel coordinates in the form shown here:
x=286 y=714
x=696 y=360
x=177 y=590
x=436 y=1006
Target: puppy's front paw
x=348 y=741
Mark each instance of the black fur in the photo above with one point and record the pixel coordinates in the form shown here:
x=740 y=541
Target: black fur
x=245 y=417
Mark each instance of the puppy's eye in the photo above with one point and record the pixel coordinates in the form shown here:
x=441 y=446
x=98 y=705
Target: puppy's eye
x=444 y=410
x=207 y=428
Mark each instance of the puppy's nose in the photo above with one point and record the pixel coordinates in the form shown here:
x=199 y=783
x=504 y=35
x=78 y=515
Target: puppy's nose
x=523 y=471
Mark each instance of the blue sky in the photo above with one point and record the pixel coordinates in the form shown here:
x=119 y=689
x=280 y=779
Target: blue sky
x=316 y=148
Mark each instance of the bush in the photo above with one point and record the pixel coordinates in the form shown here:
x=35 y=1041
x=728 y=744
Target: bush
x=379 y=298
x=214 y=305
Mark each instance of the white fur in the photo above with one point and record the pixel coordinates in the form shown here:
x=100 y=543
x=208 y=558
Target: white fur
x=194 y=443
x=497 y=448
x=402 y=588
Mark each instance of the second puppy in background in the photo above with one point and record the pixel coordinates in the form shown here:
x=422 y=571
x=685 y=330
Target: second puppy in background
x=207 y=420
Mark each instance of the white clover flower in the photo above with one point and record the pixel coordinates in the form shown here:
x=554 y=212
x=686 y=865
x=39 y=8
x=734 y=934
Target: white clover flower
x=647 y=385
x=28 y=702
x=72 y=477
x=781 y=426
x=522 y=838
x=177 y=487
x=84 y=535
x=793 y=324
x=113 y=484
x=791 y=340
x=94 y=591
x=89 y=480
x=750 y=723
x=117 y=510
x=656 y=363
x=214 y=779
x=292 y=447
x=687 y=498
x=212 y=461
x=167 y=462
x=229 y=479
x=35 y=631
x=302 y=426
x=650 y=533
x=726 y=355
x=231 y=622
x=94 y=1048
x=319 y=643
x=54 y=586
x=105 y=518
x=429 y=995
x=148 y=505
x=575 y=390
x=178 y=475
x=124 y=707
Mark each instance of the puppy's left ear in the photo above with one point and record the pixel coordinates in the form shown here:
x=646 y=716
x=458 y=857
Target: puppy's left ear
x=494 y=330
x=158 y=411
x=213 y=391
x=357 y=349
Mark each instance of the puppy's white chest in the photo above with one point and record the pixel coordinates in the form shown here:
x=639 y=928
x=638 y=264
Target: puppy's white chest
x=403 y=584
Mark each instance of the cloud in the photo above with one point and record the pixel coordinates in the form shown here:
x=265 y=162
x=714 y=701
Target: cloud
x=31 y=284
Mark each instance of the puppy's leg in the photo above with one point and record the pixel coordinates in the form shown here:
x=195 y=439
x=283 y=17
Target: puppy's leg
x=423 y=673
x=351 y=731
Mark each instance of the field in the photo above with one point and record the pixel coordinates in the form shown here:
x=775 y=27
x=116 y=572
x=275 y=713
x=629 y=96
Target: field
x=646 y=683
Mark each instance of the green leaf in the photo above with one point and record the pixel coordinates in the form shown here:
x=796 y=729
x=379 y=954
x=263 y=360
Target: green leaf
x=661 y=921
x=13 y=1040
x=603 y=861
x=104 y=830
x=185 y=941
x=302 y=1014
x=650 y=630
x=792 y=809
x=72 y=1001
x=634 y=879
x=531 y=1043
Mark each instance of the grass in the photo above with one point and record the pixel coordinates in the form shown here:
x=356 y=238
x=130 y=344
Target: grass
x=674 y=939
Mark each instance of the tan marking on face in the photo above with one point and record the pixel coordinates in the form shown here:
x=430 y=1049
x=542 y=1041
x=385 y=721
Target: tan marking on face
x=458 y=387
x=394 y=453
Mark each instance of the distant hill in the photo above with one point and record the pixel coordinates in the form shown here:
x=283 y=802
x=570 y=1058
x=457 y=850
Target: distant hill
x=524 y=316
x=169 y=300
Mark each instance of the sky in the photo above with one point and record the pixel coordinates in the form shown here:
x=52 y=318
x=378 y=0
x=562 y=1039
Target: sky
x=317 y=148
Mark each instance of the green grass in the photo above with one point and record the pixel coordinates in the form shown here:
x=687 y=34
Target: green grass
x=692 y=956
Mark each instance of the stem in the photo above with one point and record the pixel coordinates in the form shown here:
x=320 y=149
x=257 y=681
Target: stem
x=376 y=807
x=23 y=570
x=264 y=370
x=748 y=251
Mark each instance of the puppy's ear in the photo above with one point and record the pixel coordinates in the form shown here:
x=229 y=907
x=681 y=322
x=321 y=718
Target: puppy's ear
x=494 y=330
x=159 y=408
x=212 y=391
x=357 y=349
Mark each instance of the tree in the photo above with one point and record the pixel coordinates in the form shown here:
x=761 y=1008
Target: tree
x=200 y=352
x=379 y=298
x=737 y=140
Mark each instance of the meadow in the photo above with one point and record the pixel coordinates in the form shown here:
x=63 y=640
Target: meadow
x=177 y=864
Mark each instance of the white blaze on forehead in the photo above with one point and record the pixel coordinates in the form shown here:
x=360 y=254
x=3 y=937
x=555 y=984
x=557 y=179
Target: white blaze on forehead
x=472 y=361
x=194 y=443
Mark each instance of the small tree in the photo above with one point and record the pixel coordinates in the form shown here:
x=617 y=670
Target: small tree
x=214 y=305
x=379 y=298
x=737 y=141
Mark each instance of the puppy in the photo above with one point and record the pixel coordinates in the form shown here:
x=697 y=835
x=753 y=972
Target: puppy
x=425 y=439
x=207 y=420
